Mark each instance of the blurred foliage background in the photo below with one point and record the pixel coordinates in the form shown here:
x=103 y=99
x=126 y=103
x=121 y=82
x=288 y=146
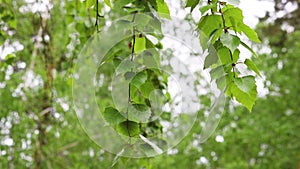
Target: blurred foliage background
x=39 y=43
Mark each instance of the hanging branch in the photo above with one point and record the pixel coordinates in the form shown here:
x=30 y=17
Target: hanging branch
x=97 y=16
x=131 y=59
x=226 y=31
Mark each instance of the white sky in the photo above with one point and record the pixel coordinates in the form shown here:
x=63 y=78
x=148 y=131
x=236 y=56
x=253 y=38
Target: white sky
x=252 y=9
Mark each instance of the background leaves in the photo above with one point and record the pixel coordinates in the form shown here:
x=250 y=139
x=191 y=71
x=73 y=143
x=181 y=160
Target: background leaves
x=54 y=139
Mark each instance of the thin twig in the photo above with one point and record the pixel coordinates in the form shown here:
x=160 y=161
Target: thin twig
x=97 y=16
x=129 y=86
x=226 y=31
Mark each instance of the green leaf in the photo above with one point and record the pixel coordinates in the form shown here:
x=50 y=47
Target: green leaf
x=221 y=83
x=233 y=16
x=107 y=2
x=157 y=99
x=246 y=83
x=224 y=55
x=244 y=90
x=151 y=58
x=113 y=116
x=141 y=21
x=125 y=66
x=252 y=66
x=211 y=58
x=117 y=61
x=140 y=44
x=163 y=9
x=250 y=33
x=120 y=3
x=236 y=55
x=209 y=24
x=205 y=8
x=135 y=95
x=204 y=40
x=247 y=47
x=214 y=5
x=230 y=41
x=139 y=79
x=146 y=89
x=216 y=35
x=156 y=26
x=90 y=3
x=217 y=72
x=192 y=4
x=139 y=113
x=128 y=128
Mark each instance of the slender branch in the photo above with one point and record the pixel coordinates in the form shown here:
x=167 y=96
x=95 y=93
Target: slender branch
x=226 y=31
x=129 y=86
x=133 y=38
x=223 y=19
x=97 y=16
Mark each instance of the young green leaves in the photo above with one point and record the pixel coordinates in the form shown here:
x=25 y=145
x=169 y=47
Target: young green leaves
x=221 y=25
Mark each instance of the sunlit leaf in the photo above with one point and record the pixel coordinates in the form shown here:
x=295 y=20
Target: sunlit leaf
x=140 y=44
x=236 y=55
x=252 y=66
x=244 y=90
x=245 y=83
x=216 y=35
x=225 y=55
x=163 y=9
x=250 y=33
x=192 y=4
x=90 y=3
x=233 y=16
x=210 y=23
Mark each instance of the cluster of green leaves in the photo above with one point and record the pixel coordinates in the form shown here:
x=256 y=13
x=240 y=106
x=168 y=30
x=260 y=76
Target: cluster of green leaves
x=220 y=29
x=21 y=114
x=146 y=99
x=53 y=141
x=250 y=140
x=136 y=61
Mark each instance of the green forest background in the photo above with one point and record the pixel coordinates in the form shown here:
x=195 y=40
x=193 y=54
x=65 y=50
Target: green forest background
x=31 y=137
